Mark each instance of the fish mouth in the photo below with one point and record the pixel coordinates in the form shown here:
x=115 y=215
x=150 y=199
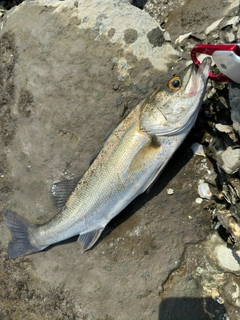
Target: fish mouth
x=198 y=78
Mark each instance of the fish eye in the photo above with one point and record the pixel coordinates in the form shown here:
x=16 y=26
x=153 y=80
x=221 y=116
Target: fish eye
x=174 y=84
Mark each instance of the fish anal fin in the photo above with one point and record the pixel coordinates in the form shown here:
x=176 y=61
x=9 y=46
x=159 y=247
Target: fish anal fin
x=60 y=191
x=88 y=239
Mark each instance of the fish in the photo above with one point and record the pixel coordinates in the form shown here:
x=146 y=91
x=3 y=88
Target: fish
x=127 y=164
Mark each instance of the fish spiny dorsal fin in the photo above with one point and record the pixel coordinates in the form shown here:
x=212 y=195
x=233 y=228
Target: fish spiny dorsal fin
x=61 y=191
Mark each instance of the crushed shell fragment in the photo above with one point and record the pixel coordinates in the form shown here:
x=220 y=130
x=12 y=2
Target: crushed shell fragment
x=204 y=191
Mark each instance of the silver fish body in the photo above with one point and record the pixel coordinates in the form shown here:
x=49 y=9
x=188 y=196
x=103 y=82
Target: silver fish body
x=128 y=163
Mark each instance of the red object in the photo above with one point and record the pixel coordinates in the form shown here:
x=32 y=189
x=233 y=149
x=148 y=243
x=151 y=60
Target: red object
x=209 y=49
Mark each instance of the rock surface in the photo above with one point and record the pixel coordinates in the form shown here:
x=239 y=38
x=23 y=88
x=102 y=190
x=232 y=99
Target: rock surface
x=234 y=98
x=71 y=70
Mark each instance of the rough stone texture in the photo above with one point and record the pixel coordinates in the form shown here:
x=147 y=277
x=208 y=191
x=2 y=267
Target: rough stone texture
x=230 y=160
x=234 y=98
x=155 y=37
x=195 y=17
x=227 y=35
x=161 y=9
x=70 y=70
x=122 y=16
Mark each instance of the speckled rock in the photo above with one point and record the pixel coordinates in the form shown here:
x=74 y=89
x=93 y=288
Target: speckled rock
x=161 y=9
x=137 y=33
x=195 y=19
x=234 y=97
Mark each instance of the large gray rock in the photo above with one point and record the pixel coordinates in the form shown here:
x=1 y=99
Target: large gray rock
x=124 y=24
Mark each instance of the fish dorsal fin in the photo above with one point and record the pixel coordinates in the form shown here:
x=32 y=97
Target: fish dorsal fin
x=61 y=191
x=88 y=239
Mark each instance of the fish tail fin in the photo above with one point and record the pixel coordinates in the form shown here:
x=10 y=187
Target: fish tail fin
x=20 y=244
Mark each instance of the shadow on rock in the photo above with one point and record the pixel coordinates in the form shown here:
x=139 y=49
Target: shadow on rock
x=190 y=308
x=9 y=4
x=139 y=3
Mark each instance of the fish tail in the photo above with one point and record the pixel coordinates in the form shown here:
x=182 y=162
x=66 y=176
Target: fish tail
x=20 y=244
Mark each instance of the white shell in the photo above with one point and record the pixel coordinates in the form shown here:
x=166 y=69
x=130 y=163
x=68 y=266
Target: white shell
x=204 y=190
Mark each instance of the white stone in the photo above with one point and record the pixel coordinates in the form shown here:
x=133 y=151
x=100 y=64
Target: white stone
x=182 y=37
x=170 y=191
x=227 y=258
x=166 y=36
x=213 y=26
x=204 y=191
x=231 y=160
x=197 y=149
x=224 y=128
x=199 y=200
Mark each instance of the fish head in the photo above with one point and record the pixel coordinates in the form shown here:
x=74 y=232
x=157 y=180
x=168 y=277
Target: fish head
x=174 y=109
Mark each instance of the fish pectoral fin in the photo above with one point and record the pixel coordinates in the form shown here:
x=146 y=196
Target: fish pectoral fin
x=88 y=239
x=60 y=191
x=154 y=178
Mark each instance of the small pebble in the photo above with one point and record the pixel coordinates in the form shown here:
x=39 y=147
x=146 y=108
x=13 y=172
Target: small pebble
x=224 y=128
x=166 y=36
x=199 y=200
x=170 y=191
x=197 y=149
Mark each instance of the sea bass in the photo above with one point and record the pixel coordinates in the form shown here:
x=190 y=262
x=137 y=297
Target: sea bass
x=130 y=160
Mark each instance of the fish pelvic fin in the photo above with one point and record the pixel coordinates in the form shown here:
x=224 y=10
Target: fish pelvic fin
x=20 y=244
x=88 y=239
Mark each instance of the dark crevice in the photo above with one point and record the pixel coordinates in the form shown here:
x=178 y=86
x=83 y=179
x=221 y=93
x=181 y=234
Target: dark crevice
x=9 y=4
x=139 y=3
